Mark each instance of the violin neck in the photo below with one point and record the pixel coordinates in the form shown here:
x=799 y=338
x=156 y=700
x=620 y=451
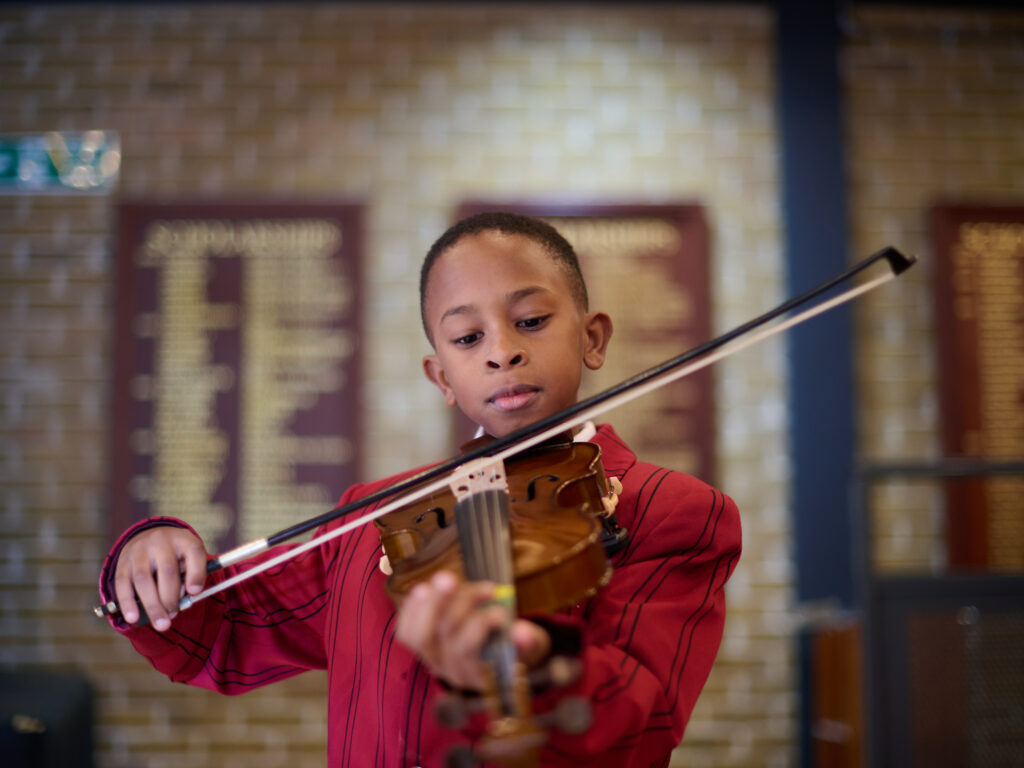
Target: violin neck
x=482 y=520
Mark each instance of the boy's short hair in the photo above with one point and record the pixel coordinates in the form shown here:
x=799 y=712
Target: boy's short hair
x=510 y=224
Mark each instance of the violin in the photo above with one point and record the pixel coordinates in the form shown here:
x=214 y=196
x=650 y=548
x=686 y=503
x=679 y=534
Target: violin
x=530 y=522
x=531 y=526
x=557 y=499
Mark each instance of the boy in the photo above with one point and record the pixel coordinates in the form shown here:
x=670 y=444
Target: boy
x=505 y=309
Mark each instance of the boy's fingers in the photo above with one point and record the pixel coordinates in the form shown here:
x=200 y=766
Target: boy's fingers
x=462 y=604
x=417 y=621
x=124 y=593
x=422 y=610
x=446 y=624
x=146 y=589
x=193 y=556
x=462 y=651
x=149 y=569
x=167 y=570
x=464 y=624
x=533 y=643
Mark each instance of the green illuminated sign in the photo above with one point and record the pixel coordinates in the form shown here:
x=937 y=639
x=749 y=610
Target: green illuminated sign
x=88 y=161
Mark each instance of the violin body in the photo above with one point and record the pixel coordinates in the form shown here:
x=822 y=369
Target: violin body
x=531 y=526
x=555 y=499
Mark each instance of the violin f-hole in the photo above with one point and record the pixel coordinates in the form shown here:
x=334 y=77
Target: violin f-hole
x=531 y=487
x=438 y=512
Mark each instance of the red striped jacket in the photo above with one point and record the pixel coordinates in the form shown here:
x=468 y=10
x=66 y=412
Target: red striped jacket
x=648 y=639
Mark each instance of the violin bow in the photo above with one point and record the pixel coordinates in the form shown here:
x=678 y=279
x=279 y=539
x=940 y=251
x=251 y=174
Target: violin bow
x=436 y=478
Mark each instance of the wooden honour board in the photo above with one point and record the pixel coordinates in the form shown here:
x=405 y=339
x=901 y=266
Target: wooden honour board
x=979 y=304
x=237 y=382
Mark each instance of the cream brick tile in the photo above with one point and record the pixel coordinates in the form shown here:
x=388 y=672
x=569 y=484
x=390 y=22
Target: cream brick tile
x=666 y=59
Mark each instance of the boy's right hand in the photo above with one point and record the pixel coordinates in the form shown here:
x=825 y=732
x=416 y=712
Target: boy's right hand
x=153 y=565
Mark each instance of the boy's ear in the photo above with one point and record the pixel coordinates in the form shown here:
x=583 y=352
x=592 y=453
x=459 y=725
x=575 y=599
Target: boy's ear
x=597 y=327
x=435 y=372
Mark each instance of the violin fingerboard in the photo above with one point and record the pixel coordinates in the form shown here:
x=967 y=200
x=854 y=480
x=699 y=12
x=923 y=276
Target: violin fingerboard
x=482 y=520
x=484 y=536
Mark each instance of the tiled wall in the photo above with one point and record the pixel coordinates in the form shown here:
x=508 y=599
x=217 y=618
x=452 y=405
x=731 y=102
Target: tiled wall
x=411 y=110
x=935 y=102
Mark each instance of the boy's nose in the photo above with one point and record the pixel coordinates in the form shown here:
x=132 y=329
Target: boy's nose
x=505 y=353
x=514 y=360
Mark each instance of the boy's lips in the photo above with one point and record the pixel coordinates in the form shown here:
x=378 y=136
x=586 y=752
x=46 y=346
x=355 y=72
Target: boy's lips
x=513 y=398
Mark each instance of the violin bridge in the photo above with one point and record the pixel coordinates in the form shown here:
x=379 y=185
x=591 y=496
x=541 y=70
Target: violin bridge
x=482 y=519
x=486 y=474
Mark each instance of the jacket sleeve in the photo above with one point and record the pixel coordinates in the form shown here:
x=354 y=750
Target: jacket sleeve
x=264 y=629
x=650 y=637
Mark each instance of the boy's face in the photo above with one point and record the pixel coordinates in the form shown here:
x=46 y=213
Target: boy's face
x=510 y=342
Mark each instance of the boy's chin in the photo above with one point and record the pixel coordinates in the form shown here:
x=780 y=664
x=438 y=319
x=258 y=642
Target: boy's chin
x=500 y=428
x=498 y=432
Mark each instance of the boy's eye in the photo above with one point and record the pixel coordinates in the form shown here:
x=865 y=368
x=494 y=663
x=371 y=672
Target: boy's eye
x=469 y=338
x=532 y=322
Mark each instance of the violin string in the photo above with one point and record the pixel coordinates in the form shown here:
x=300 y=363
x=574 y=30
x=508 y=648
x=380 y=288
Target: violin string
x=482 y=519
x=472 y=537
x=489 y=542
x=482 y=532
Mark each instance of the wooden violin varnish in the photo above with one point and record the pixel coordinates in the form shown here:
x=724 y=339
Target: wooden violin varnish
x=533 y=531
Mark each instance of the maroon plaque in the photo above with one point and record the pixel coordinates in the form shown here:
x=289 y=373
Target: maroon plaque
x=236 y=400
x=647 y=266
x=979 y=300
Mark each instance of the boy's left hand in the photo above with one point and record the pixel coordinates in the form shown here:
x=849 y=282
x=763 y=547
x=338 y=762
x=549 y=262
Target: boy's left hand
x=445 y=623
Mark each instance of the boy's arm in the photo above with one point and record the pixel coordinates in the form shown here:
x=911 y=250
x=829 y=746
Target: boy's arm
x=261 y=630
x=649 y=638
